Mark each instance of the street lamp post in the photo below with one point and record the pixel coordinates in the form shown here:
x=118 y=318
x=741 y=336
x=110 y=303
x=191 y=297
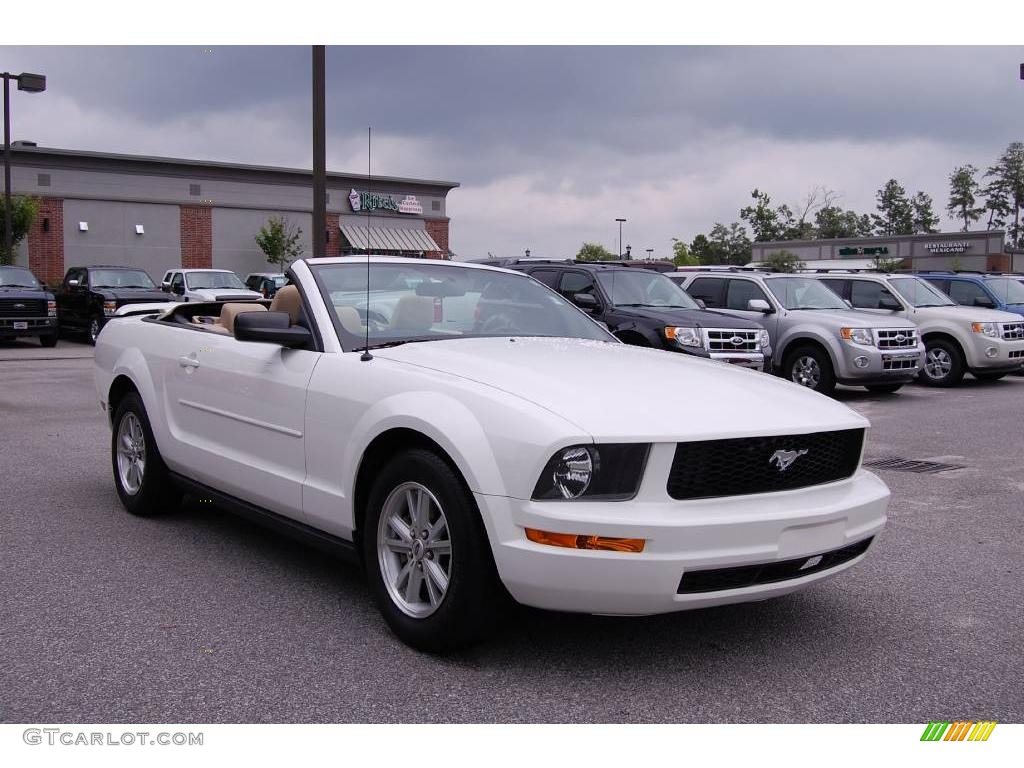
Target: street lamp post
x=650 y=254
x=32 y=84
x=319 y=154
x=621 y=222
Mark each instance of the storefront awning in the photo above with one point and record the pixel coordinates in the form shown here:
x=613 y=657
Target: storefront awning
x=380 y=239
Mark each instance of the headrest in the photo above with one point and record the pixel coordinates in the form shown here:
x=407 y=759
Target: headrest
x=288 y=299
x=228 y=313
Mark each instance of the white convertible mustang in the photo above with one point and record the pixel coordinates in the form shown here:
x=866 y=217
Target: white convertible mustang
x=467 y=433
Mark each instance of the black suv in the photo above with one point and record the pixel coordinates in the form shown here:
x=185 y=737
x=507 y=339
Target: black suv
x=26 y=307
x=644 y=308
x=91 y=295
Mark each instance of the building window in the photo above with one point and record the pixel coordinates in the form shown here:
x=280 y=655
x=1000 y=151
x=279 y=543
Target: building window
x=435 y=205
x=194 y=190
x=43 y=180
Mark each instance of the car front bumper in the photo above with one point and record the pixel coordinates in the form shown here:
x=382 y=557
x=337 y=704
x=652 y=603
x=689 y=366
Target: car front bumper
x=34 y=326
x=995 y=355
x=862 y=364
x=681 y=537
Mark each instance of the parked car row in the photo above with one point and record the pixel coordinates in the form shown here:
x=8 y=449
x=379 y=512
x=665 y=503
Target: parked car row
x=89 y=296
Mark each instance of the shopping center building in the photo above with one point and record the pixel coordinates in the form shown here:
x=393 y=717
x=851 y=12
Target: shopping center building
x=942 y=250
x=158 y=213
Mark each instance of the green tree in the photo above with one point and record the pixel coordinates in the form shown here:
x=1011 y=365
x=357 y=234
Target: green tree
x=1007 y=192
x=925 y=220
x=883 y=264
x=963 y=191
x=700 y=249
x=594 y=252
x=895 y=212
x=729 y=244
x=23 y=212
x=280 y=240
x=681 y=255
x=831 y=221
x=766 y=223
x=783 y=261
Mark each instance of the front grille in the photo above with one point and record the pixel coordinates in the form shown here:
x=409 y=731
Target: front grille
x=1014 y=354
x=718 y=579
x=739 y=466
x=896 y=338
x=1013 y=331
x=899 y=364
x=728 y=340
x=22 y=307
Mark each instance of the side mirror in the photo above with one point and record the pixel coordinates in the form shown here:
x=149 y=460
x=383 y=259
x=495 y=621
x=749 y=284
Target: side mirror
x=165 y=286
x=759 y=305
x=179 y=289
x=271 y=328
x=72 y=283
x=890 y=303
x=585 y=301
x=984 y=301
x=701 y=304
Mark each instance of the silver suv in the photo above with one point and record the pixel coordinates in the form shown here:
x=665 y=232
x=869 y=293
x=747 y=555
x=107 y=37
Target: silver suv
x=986 y=343
x=817 y=338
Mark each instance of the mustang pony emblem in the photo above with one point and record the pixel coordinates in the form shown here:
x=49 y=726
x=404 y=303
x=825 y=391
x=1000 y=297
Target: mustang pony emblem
x=783 y=459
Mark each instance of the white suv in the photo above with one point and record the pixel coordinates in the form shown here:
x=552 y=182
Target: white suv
x=207 y=285
x=986 y=343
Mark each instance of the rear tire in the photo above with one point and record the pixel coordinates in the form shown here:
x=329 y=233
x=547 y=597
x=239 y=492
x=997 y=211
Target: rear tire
x=988 y=376
x=140 y=476
x=92 y=332
x=883 y=389
x=48 y=340
x=943 y=364
x=810 y=367
x=427 y=556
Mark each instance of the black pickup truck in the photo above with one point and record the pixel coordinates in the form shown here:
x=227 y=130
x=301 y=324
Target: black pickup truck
x=26 y=307
x=91 y=295
x=644 y=308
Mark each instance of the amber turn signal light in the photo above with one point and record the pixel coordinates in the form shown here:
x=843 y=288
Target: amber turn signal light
x=580 y=541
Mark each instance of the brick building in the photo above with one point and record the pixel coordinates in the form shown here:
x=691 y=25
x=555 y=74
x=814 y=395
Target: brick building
x=158 y=213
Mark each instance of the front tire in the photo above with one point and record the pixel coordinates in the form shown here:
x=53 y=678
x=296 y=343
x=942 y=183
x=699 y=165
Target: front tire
x=883 y=389
x=140 y=476
x=427 y=556
x=810 y=367
x=48 y=340
x=982 y=376
x=93 y=331
x=943 y=364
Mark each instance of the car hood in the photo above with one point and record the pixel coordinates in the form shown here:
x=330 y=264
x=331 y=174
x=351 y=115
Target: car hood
x=235 y=293
x=849 y=318
x=693 y=318
x=137 y=294
x=24 y=293
x=969 y=314
x=620 y=392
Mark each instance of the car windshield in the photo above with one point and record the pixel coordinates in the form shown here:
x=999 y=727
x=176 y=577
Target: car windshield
x=198 y=280
x=1006 y=290
x=432 y=302
x=17 y=277
x=920 y=293
x=804 y=293
x=120 y=278
x=643 y=288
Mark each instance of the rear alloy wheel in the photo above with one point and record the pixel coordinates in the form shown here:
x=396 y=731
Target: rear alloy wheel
x=48 y=340
x=810 y=367
x=883 y=389
x=140 y=476
x=982 y=376
x=95 y=326
x=943 y=364
x=427 y=555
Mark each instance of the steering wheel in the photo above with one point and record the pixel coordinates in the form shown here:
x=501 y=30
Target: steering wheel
x=374 y=319
x=499 y=324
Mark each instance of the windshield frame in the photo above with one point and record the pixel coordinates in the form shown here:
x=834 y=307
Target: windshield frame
x=945 y=300
x=36 y=283
x=1004 y=295
x=606 y=278
x=134 y=270
x=842 y=307
x=345 y=337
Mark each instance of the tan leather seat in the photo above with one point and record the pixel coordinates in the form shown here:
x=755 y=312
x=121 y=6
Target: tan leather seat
x=349 y=319
x=228 y=313
x=413 y=313
x=288 y=299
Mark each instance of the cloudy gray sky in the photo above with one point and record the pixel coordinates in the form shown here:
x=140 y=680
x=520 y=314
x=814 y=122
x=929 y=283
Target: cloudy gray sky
x=552 y=144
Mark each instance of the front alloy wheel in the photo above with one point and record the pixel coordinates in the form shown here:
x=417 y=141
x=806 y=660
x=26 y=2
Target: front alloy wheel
x=810 y=367
x=142 y=481
x=806 y=372
x=131 y=454
x=94 y=329
x=943 y=364
x=414 y=550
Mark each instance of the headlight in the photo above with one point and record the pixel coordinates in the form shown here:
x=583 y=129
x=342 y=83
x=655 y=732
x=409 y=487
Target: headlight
x=684 y=337
x=858 y=335
x=986 y=329
x=109 y=307
x=763 y=339
x=51 y=308
x=609 y=472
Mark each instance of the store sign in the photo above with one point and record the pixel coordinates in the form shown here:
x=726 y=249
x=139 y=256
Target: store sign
x=880 y=250
x=948 y=247
x=376 y=201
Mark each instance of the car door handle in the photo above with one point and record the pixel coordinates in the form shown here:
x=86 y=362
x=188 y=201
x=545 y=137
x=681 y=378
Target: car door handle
x=188 y=362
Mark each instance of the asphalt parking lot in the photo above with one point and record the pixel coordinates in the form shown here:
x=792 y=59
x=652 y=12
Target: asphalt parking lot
x=201 y=617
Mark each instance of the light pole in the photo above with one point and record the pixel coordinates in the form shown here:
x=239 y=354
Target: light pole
x=32 y=84
x=319 y=154
x=650 y=254
x=621 y=222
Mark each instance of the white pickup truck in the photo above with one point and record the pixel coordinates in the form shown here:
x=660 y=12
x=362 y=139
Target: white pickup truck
x=466 y=439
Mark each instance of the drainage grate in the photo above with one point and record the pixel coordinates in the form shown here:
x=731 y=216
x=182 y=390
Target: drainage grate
x=896 y=464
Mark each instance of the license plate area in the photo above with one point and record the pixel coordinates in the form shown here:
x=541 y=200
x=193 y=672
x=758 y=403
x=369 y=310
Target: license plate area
x=21 y=325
